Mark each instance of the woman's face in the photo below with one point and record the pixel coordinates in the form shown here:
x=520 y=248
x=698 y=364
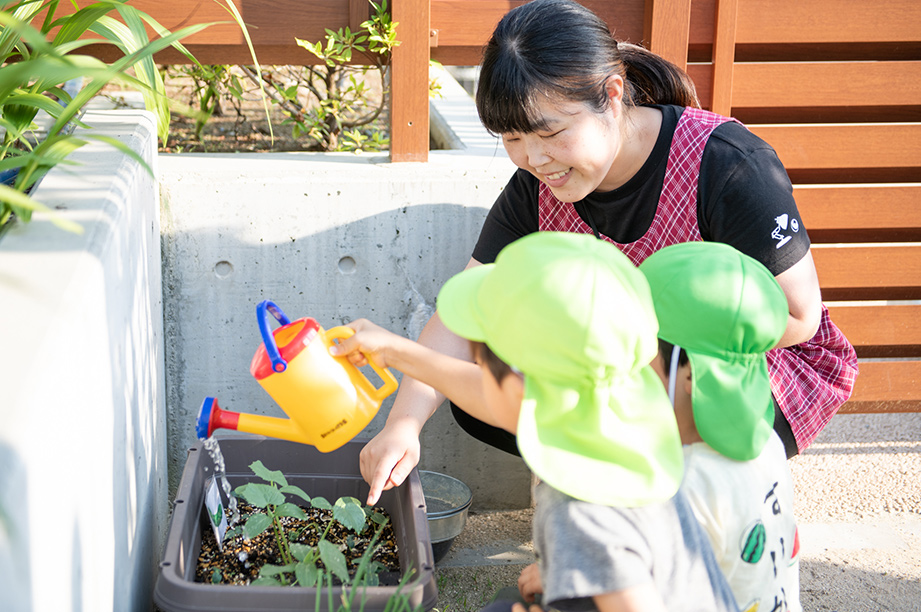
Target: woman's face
x=575 y=154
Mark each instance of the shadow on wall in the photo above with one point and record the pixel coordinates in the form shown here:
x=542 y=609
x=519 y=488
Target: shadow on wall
x=386 y=266
x=15 y=552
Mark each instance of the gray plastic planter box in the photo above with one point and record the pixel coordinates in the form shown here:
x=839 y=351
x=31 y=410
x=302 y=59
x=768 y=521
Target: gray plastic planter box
x=331 y=475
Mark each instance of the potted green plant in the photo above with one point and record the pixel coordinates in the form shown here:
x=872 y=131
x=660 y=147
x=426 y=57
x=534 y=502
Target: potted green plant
x=319 y=576
x=40 y=51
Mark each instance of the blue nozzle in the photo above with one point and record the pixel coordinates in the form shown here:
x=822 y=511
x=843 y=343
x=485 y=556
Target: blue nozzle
x=204 y=418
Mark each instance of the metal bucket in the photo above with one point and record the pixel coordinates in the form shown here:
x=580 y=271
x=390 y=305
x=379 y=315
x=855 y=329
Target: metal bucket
x=446 y=501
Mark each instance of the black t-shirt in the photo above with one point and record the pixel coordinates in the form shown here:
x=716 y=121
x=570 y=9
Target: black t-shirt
x=744 y=199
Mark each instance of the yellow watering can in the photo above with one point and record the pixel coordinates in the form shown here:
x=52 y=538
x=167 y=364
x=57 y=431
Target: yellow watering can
x=329 y=400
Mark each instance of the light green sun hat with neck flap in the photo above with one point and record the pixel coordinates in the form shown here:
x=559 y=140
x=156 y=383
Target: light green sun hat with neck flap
x=725 y=310
x=574 y=315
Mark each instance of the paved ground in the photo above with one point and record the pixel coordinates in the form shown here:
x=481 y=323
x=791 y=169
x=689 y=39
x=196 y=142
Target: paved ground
x=858 y=505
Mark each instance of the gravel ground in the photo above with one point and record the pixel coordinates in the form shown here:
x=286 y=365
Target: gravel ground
x=858 y=506
x=859 y=494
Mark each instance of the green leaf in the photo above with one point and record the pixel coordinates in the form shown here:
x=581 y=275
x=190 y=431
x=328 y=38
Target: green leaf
x=255 y=525
x=275 y=570
x=34 y=100
x=349 y=512
x=261 y=495
x=295 y=490
x=302 y=551
x=306 y=574
x=265 y=581
x=288 y=509
x=373 y=578
x=320 y=503
x=268 y=475
x=334 y=560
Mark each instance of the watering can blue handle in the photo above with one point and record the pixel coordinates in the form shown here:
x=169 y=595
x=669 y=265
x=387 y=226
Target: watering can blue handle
x=271 y=348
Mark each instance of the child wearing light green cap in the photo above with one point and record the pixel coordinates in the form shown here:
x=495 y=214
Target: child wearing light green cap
x=565 y=332
x=719 y=311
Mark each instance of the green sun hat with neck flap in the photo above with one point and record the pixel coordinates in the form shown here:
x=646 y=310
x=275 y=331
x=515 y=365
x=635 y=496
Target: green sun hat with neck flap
x=725 y=310
x=574 y=315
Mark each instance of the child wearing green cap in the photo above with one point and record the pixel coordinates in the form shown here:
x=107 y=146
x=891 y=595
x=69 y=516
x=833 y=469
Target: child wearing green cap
x=564 y=332
x=719 y=311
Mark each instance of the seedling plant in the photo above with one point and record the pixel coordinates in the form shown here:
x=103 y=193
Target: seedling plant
x=301 y=562
x=321 y=564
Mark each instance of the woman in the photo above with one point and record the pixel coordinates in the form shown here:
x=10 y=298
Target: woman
x=608 y=140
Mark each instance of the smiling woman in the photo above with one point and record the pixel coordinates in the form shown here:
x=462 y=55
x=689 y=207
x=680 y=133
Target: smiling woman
x=611 y=141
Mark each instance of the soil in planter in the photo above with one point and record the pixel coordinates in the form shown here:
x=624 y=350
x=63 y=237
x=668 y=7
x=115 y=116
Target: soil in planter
x=240 y=560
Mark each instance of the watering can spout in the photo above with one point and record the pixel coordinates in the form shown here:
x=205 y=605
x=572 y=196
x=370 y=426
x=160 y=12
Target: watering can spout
x=212 y=417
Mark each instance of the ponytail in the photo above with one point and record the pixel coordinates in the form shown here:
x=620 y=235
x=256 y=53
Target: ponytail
x=652 y=79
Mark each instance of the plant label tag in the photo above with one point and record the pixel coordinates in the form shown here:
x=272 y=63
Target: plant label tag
x=215 y=509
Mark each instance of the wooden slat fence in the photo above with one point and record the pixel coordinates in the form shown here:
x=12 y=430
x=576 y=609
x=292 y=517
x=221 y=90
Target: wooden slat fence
x=833 y=85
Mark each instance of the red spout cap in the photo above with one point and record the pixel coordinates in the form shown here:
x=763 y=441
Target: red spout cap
x=211 y=417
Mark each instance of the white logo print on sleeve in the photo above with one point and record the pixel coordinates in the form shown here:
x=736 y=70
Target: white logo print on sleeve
x=784 y=222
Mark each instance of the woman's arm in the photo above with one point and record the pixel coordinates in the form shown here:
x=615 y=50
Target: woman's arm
x=801 y=286
x=391 y=455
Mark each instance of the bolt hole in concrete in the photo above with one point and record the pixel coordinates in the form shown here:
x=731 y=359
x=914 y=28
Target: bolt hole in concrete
x=447 y=500
x=347 y=265
x=223 y=269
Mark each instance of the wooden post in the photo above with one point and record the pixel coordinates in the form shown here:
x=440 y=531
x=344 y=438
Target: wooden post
x=724 y=54
x=667 y=28
x=409 y=82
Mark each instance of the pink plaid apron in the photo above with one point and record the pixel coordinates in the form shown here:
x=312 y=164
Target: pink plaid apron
x=810 y=380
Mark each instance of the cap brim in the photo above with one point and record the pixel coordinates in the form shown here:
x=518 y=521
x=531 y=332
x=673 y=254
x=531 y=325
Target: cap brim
x=732 y=404
x=616 y=444
x=458 y=304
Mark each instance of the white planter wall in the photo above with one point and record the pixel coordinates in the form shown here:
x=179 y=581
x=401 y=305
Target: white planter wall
x=83 y=491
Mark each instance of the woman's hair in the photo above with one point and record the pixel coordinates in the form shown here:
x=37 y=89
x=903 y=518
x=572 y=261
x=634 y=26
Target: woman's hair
x=498 y=368
x=560 y=50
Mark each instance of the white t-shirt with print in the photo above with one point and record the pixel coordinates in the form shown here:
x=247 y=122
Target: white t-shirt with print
x=746 y=508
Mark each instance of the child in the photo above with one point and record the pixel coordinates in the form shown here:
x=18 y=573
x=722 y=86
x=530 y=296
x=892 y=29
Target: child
x=565 y=332
x=609 y=141
x=718 y=312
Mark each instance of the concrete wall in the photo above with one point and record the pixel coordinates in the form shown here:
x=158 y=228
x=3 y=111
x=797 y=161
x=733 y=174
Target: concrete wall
x=83 y=492
x=334 y=237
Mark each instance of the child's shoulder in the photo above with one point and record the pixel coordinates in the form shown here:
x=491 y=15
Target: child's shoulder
x=554 y=506
x=712 y=475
